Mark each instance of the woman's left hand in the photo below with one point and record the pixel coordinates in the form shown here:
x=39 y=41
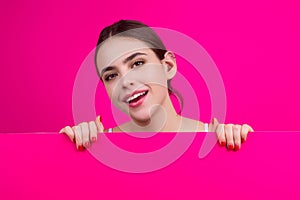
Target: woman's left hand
x=230 y=135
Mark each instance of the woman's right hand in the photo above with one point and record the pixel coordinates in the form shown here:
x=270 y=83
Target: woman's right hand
x=84 y=133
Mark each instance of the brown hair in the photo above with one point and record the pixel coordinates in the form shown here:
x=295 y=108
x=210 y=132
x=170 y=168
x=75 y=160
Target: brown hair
x=138 y=31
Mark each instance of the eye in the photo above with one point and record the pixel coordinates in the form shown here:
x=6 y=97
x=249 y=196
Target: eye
x=109 y=77
x=138 y=63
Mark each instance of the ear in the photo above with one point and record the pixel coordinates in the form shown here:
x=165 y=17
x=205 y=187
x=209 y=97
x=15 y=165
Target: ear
x=169 y=63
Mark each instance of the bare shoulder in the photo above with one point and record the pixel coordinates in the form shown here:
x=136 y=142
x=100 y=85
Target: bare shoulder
x=192 y=125
x=187 y=125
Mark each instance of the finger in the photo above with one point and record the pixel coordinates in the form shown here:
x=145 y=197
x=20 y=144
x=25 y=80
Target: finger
x=78 y=137
x=229 y=136
x=93 y=131
x=221 y=134
x=237 y=136
x=244 y=132
x=85 y=134
x=213 y=125
x=215 y=121
x=99 y=124
x=69 y=132
x=250 y=128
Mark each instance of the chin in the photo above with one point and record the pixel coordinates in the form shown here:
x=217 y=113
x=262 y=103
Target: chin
x=141 y=116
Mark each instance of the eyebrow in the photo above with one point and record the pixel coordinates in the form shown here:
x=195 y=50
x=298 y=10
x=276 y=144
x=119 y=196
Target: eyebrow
x=126 y=60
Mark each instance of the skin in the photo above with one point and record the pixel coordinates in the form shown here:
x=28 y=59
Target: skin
x=126 y=65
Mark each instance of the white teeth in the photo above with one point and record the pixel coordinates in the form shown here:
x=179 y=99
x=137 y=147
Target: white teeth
x=135 y=96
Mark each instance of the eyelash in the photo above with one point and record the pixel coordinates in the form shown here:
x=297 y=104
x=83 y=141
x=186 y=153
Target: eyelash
x=138 y=61
x=112 y=75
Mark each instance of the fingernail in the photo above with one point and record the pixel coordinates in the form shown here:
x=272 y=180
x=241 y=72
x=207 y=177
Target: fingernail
x=74 y=140
x=100 y=118
x=80 y=148
x=87 y=144
x=230 y=147
x=94 y=139
x=223 y=143
x=236 y=147
x=243 y=140
x=62 y=130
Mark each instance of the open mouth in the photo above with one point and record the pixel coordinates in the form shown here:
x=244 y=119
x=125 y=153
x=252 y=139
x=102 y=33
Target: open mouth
x=137 y=99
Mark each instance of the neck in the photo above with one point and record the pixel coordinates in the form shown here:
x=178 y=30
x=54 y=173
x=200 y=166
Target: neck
x=163 y=119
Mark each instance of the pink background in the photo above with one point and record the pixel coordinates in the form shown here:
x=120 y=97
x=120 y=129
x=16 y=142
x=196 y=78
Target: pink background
x=255 y=46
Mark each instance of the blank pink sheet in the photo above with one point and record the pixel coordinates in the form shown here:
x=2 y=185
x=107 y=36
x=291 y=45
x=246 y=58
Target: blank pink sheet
x=47 y=166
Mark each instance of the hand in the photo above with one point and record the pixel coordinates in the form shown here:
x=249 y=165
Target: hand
x=230 y=135
x=84 y=133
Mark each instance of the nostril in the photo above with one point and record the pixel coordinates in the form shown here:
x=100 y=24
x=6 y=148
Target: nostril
x=127 y=83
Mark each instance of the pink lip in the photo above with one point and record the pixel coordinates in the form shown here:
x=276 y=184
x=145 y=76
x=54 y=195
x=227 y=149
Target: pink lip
x=138 y=103
x=133 y=93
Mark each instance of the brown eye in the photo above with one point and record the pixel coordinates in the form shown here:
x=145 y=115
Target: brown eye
x=110 y=76
x=137 y=63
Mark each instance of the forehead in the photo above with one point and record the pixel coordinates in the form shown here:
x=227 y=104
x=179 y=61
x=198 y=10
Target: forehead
x=116 y=48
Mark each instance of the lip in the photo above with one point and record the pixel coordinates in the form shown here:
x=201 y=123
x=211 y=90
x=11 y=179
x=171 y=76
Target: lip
x=133 y=93
x=138 y=103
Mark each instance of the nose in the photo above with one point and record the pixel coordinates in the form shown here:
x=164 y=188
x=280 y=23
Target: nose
x=128 y=81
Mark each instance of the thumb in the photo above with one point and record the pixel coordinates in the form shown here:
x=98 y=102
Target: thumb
x=99 y=124
x=213 y=125
x=215 y=121
x=69 y=132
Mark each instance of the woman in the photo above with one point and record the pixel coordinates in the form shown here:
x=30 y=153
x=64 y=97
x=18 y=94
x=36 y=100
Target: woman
x=136 y=70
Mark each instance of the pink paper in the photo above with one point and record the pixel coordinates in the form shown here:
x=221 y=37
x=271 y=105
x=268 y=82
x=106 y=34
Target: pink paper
x=47 y=166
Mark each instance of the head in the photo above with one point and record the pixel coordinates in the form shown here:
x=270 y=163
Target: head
x=130 y=57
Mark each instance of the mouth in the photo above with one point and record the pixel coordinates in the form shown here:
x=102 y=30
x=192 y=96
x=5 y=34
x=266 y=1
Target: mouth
x=137 y=98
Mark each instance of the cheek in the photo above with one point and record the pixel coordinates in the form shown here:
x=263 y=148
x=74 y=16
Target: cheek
x=113 y=93
x=109 y=90
x=160 y=91
x=153 y=74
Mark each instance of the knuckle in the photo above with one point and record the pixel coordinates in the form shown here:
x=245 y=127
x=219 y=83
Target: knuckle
x=221 y=134
x=69 y=129
x=75 y=128
x=222 y=128
x=228 y=126
x=244 y=129
x=83 y=124
x=77 y=131
x=85 y=133
x=245 y=126
x=237 y=127
x=91 y=123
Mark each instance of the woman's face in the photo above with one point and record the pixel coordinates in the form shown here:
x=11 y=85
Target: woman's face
x=134 y=78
